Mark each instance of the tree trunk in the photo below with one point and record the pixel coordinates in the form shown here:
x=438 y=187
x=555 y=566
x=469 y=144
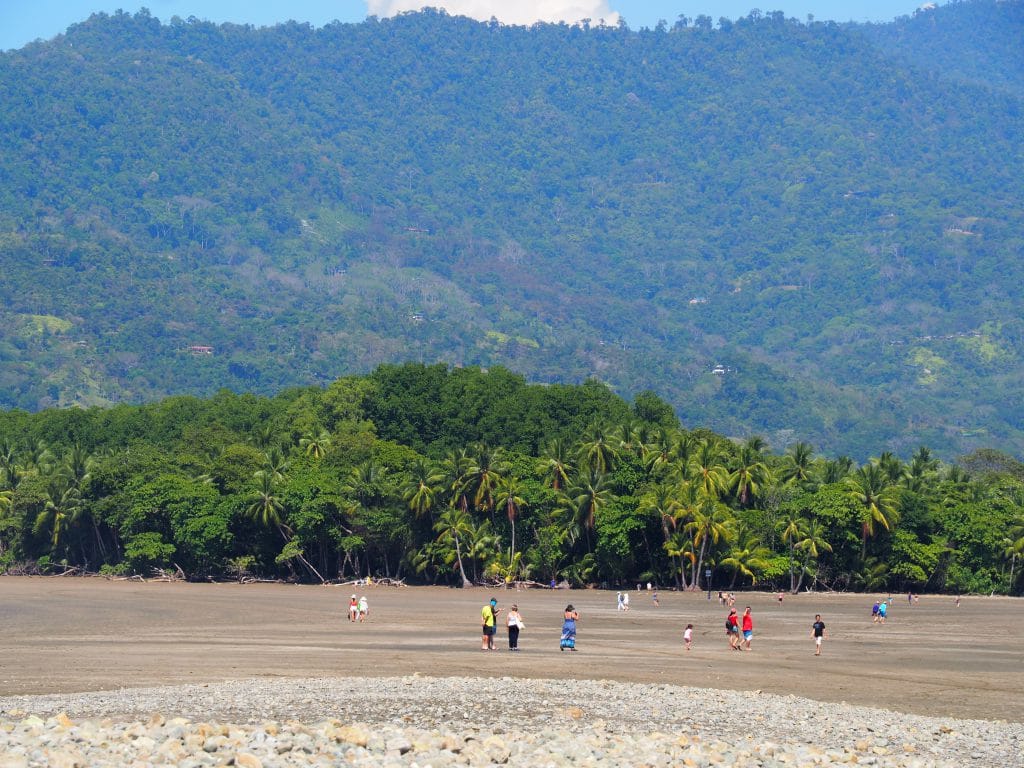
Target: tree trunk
x=462 y=570
x=700 y=565
x=793 y=588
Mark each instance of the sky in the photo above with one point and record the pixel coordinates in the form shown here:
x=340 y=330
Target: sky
x=22 y=21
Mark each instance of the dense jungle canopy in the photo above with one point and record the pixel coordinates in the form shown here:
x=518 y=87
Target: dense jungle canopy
x=453 y=476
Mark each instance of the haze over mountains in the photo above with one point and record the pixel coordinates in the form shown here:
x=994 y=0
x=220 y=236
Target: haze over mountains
x=804 y=231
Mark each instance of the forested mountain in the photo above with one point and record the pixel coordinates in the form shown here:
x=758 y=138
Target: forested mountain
x=800 y=230
x=974 y=43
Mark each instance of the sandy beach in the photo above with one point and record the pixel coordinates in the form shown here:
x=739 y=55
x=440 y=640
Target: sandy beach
x=932 y=658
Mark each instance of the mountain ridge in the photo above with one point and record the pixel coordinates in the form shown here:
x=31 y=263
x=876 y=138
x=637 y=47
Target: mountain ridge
x=778 y=199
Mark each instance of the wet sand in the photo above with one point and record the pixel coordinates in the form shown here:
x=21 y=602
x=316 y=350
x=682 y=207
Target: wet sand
x=70 y=635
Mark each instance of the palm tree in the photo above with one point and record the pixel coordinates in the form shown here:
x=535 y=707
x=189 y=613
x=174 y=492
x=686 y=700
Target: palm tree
x=873 y=575
x=38 y=458
x=484 y=547
x=708 y=472
x=661 y=502
x=424 y=484
x=679 y=545
x=7 y=524
x=509 y=496
x=812 y=544
x=483 y=471
x=871 y=488
x=624 y=435
x=453 y=473
x=77 y=465
x=797 y=464
x=264 y=436
x=891 y=466
x=793 y=529
x=922 y=466
x=710 y=524
x=265 y=507
x=834 y=470
x=275 y=464
x=555 y=464
x=59 y=512
x=365 y=482
x=684 y=445
x=586 y=498
x=749 y=474
x=1013 y=547
x=316 y=443
x=453 y=526
x=597 y=450
x=9 y=470
x=747 y=556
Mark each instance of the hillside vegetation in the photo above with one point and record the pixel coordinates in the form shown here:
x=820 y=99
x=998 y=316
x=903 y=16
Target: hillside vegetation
x=801 y=230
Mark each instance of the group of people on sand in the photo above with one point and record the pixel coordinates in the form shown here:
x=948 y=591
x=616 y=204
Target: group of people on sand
x=514 y=623
x=734 y=625
x=358 y=609
x=879 y=611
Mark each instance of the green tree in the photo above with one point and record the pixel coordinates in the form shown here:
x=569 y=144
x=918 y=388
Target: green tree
x=316 y=443
x=510 y=498
x=871 y=488
x=747 y=556
x=453 y=527
x=60 y=512
x=797 y=464
x=422 y=488
x=555 y=463
x=598 y=451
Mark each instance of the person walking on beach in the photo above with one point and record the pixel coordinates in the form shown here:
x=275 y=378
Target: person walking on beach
x=818 y=633
x=654 y=597
x=625 y=601
x=569 y=628
x=489 y=622
x=732 y=629
x=748 y=627
x=883 y=608
x=688 y=636
x=874 y=612
x=515 y=623
x=364 y=609
x=619 y=605
x=353 y=608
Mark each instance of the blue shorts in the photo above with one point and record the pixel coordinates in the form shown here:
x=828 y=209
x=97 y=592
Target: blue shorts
x=747 y=634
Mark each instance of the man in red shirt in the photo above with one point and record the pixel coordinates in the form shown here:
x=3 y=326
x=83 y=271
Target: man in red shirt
x=748 y=627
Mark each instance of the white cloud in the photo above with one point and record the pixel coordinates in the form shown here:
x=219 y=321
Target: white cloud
x=506 y=11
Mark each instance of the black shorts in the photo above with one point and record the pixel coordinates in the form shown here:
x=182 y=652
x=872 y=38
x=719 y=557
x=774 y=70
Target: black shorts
x=488 y=630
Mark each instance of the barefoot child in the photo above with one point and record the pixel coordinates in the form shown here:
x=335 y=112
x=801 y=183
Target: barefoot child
x=688 y=636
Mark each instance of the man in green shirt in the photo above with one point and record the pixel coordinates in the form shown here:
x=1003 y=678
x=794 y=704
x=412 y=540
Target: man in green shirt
x=489 y=620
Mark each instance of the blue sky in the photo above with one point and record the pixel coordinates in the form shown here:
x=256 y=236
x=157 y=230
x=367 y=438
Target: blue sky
x=22 y=21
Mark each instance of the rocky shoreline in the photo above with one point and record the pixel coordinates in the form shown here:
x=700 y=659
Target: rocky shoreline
x=424 y=721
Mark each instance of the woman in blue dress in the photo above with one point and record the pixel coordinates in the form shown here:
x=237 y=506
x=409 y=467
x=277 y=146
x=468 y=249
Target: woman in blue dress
x=569 y=628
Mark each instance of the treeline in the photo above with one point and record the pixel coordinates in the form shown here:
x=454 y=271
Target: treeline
x=462 y=476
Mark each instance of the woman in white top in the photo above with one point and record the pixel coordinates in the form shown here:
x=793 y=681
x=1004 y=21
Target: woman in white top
x=515 y=623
